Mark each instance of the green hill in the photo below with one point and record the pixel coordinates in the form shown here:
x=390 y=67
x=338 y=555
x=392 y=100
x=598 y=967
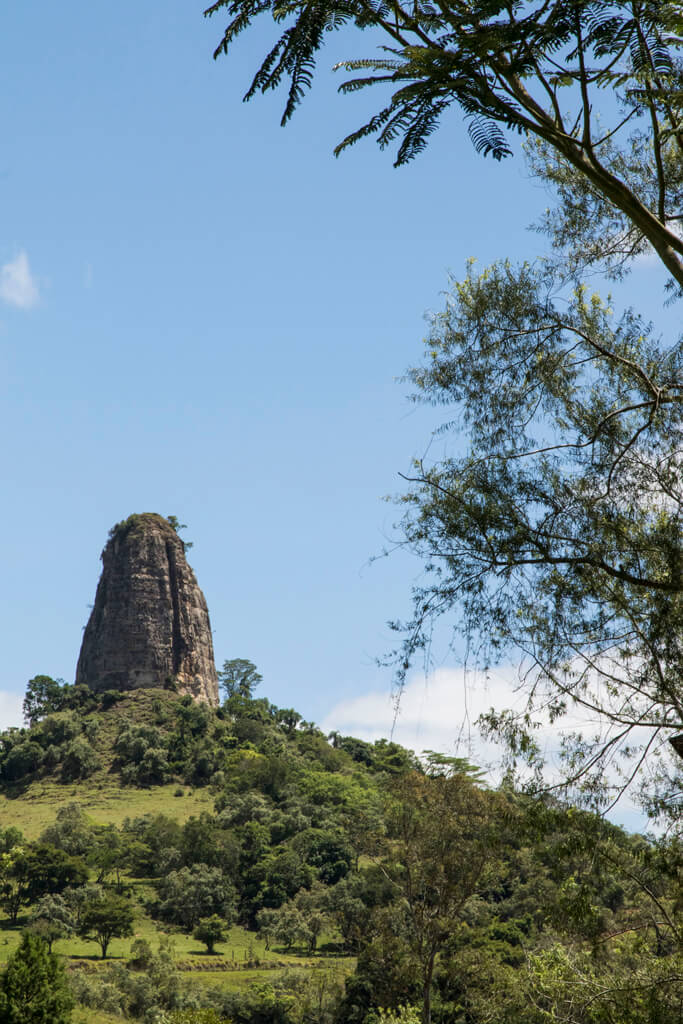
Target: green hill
x=237 y=865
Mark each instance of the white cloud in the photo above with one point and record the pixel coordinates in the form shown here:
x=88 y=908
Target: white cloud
x=436 y=712
x=17 y=284
x=439 y=711
x=10 y=709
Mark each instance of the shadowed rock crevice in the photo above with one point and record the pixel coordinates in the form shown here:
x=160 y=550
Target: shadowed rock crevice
x=149 y=626
x=177 y=641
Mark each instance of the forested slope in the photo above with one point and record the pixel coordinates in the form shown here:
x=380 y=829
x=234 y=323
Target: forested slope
x=313 y=878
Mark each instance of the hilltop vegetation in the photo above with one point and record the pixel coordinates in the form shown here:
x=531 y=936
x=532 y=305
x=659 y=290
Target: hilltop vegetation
x=319 y=879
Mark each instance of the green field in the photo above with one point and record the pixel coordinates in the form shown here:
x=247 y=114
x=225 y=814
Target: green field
x=105 y=802
x=238 y=962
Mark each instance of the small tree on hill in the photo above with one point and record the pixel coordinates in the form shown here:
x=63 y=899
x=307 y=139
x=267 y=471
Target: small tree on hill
x=43 y=696
x=210 y=930
x=52 y=919
x=239 y=678
x=34 y=989
x=109 y=917
x=178 y=526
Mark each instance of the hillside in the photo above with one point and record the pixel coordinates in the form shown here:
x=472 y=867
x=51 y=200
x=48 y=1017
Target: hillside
x=234 y=864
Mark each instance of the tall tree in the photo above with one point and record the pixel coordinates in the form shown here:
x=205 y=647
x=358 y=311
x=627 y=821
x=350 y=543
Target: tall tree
x=441 y=842
x=558 y=533
x=43 y=696
x=33 y=989
x=239 y=677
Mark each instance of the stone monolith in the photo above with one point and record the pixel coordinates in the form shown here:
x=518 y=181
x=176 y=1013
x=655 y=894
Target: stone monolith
x=149 y=626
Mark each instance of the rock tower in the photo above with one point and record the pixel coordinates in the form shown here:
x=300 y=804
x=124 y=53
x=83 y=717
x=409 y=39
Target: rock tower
x=149 y=626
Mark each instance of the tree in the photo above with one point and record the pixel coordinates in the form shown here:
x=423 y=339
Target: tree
x=534 y=68
x=34 y=989
x=43 y=696
x=178 y=526
x=558 y=533
x=441 y=842
x=48 y=870
x=190 y=894
x=266 y=923
x=29 y=872
x=105 y=918
x=9 y=838
x=239 y=678
x=70 y=831
x=290 y=926
x=80 y=761
x=210 y=930
x=12 y=882
x=23 y=759
x=52 y=919
x=108 y=854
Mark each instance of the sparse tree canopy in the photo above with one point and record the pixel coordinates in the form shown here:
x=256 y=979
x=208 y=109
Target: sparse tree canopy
x=559 y=532
x=178 y=526
x=441 y=838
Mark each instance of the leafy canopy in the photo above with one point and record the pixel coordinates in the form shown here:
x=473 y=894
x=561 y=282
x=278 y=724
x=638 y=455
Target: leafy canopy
x=539 y=68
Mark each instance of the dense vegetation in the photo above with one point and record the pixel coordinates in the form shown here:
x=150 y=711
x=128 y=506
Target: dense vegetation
x=362 y=884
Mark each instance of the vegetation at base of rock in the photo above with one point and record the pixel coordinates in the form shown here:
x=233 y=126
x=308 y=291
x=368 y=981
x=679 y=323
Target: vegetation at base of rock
x=399 y=886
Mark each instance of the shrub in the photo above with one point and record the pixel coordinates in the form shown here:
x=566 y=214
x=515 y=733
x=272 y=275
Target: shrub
x=80 y=761
x=57 y=728
x=23 y=759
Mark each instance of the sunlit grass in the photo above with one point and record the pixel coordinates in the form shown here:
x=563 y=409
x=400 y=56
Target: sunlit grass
x=105 y=803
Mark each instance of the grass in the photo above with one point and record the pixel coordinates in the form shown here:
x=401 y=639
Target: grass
x=83 y=1015
x=242 y=947
x=105 y=803
x=234 y=967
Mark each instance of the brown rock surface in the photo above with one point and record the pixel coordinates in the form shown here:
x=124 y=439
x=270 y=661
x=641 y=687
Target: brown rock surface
x=150 y=623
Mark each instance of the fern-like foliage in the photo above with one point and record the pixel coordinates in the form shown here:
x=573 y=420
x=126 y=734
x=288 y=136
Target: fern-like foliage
x=496 y=59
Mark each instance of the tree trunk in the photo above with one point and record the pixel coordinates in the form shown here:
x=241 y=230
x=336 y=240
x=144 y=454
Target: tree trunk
x=427 y=989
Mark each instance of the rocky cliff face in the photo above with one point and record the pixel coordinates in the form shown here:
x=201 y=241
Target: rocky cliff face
x=150 y=624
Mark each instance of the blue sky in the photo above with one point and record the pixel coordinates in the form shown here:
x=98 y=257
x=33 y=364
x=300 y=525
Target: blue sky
x=204 y=314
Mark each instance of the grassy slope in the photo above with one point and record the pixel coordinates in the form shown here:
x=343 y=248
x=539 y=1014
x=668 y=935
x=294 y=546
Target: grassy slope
x=33 y=807
x=104 y=803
